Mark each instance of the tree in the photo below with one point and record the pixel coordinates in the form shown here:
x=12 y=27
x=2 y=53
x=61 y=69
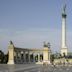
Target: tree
x=6 y=58
x=52 y=58
x=1 y=57
x=64 y=55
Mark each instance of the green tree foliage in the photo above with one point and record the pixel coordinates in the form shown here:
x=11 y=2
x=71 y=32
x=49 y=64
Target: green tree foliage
x=57 y=56
x=1 y=57
x=6 y=58
x=52 y=58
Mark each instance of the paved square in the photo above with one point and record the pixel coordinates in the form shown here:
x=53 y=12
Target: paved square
x=34 y=68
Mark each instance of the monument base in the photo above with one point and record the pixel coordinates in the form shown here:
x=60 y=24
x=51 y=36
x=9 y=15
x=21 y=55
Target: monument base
x=10 y=62
x=64 y=50
x=46 y=62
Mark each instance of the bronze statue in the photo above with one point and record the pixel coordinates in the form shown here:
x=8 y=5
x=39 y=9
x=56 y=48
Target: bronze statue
x=45 y=44
x=64 y=8
x=11 y=42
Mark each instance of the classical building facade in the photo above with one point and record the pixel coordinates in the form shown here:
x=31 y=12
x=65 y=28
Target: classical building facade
x=26 y=55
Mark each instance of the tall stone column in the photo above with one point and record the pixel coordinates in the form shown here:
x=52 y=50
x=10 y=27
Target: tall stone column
x=64 y=47
x=11 y=53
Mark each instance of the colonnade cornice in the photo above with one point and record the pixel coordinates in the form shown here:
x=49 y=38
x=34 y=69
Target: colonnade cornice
x=28 y=49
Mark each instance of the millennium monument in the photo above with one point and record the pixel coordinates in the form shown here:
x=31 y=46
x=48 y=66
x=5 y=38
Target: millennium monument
x=64 y=49
x=38 y=56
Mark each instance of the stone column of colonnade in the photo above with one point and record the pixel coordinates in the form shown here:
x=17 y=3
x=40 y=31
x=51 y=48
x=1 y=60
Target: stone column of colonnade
x=21 y=56
x=34 y=55
x=16 y=57
x=38 y=57
x=28 y=56
x=25 y=58
x=41 y=57
x=31 y=59
x=11 y=53
x=24 y=55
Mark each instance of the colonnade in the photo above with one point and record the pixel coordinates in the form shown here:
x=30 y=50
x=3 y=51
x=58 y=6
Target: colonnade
x=27 y=56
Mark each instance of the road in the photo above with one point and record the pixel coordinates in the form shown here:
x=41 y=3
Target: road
x=34 y=68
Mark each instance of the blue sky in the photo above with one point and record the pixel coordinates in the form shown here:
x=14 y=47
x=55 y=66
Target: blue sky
x=30 y=22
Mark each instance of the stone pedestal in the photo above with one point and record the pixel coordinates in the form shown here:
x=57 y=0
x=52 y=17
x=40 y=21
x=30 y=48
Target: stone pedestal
x=64 y=50
x=11 y=54
x=64 y=44
x=46 y=55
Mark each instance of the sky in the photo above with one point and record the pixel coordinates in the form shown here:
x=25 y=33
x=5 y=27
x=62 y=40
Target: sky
x=28 y=23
